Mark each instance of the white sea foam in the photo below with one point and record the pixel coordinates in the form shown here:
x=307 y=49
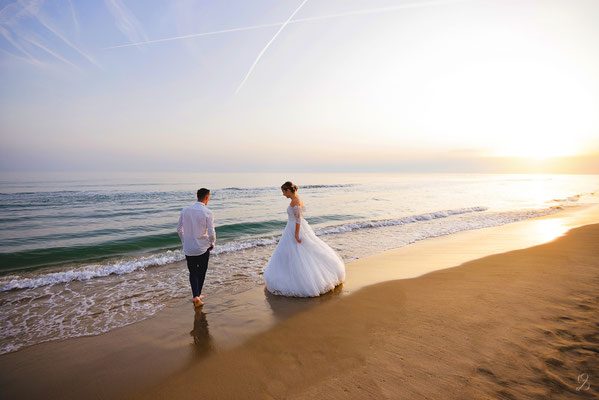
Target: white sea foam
x=575 y=198
x=398 y=221
x=86 y=272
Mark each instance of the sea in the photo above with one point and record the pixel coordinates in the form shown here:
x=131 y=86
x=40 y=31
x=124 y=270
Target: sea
x=85 y=253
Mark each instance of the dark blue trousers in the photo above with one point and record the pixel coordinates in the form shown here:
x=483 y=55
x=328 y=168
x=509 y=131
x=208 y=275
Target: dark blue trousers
x=197 y=266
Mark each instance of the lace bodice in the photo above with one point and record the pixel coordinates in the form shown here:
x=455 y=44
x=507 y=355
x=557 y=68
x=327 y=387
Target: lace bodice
x=295 y=213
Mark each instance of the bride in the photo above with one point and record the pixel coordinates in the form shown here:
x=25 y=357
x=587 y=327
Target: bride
x=302 y=265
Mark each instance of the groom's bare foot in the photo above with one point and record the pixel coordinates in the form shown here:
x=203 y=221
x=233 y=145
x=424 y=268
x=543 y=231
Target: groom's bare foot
x=198 y=302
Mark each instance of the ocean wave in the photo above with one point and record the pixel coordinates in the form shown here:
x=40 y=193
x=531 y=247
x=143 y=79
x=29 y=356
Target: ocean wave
x=12 y=282
x=326 y=186
x=398 y=221
x=83 y=273
x=124 y=266
x=574 y=198
x=40 y=312
x=242 y=189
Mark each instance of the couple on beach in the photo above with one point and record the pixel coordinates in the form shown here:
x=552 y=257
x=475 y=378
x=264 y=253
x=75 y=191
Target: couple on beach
x=302 y=265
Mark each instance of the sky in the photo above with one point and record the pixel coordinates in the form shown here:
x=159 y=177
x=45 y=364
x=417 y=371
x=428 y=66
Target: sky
x=300 y=85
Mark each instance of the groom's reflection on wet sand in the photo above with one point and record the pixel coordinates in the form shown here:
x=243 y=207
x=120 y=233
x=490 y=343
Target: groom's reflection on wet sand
x=202 y=341
x=283 y=307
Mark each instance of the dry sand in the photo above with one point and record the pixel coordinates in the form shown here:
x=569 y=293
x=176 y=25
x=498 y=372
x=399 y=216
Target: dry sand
x=518 y=325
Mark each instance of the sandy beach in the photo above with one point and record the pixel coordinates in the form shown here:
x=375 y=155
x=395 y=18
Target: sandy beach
x=517 y=325
x=507 y=321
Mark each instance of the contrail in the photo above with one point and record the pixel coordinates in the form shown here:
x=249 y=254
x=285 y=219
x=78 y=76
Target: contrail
x=267 y=45
x=47 y=50
x=74 y=15
x=32 y=61
x=295 y=21
x=245 y=28
x=55 y=31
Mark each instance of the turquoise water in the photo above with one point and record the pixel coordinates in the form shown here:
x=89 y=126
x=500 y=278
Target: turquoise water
x=77 y=245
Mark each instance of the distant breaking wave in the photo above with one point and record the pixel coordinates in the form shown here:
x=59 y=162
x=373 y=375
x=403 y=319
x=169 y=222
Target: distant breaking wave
x=325 y=186
x=574 y=198
x=89 y=271
x=399 y=221
x=83 y=273
x=276 y=187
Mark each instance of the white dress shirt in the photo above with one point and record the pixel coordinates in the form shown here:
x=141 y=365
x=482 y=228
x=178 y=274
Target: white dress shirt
x=196 y=229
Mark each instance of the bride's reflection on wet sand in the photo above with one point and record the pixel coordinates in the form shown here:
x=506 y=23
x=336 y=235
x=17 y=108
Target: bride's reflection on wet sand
x=283 y=307
x=202 y=341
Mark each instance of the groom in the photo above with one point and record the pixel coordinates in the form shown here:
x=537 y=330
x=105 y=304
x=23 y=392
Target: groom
x=196 y=230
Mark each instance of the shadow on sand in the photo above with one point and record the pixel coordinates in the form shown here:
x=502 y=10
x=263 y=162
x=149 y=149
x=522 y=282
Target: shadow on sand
x=202 y=341
x=283 y=307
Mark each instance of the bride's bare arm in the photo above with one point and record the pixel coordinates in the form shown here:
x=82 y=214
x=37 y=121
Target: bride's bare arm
x=297 y=214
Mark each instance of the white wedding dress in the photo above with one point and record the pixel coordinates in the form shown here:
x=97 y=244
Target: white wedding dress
x=305 y=269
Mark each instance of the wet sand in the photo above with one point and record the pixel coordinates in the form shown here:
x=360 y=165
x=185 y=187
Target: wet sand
x=477 y=329
x=519 y=325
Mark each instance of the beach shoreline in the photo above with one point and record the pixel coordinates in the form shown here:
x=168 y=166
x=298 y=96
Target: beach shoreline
x=519 y=325
x=117 y=363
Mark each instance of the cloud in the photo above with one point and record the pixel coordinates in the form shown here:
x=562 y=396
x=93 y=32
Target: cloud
x=12 y=13
x=9 y=38
x=11 y=18
x=126 y=21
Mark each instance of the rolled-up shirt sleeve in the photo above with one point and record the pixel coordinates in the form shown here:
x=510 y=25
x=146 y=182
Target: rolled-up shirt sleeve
x=180 y=227
x=210 y=229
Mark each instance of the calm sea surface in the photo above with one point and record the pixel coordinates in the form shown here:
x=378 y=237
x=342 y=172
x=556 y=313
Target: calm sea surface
x=82 y=254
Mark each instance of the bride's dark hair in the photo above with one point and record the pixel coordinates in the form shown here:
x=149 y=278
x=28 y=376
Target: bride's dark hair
x=289 y=186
